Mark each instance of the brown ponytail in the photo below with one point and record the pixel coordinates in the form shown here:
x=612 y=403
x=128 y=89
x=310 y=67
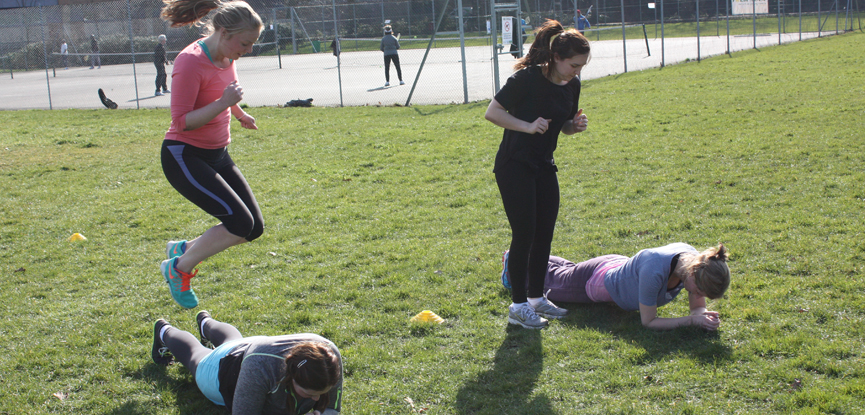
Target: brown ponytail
x=313 y=366
x=233 y=16
x=553 y=40
x=710 y=270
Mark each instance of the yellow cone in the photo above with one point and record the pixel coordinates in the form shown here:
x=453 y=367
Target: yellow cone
x=427 y=316
x=77 y=237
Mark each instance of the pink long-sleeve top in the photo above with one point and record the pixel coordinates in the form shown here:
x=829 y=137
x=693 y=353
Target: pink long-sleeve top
x=195 y=83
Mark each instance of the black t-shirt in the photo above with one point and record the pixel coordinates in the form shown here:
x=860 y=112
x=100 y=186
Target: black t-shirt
x=527 y=95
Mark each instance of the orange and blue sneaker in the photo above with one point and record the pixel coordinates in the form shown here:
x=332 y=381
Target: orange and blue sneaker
x=175 y=249
x=178 y=283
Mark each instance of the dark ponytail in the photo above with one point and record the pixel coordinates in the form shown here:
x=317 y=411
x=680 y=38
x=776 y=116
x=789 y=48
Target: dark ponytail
x=313 y=366
x=551 y=39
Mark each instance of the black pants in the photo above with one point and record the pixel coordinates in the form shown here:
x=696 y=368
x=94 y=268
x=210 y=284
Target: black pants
x=161 y=77
x=211 y=180
x=395 y=59
x=188 y=350
x=531 y=201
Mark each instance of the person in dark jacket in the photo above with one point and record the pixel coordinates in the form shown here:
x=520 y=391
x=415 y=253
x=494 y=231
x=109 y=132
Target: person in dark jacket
x=389 y=45
x=94 y=53
x=160 y=60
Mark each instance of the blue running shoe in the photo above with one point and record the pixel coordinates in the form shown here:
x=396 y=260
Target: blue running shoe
x=178 y=283
x=175 y=249
x=506 y=278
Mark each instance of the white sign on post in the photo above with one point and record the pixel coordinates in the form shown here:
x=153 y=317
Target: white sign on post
x=747 y=7
x=651 y=5
x=507 y=30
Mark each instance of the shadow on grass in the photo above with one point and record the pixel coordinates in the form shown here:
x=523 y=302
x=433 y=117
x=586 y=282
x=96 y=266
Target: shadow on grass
x=436 y=109
x=506 y=387
x=189 y=400
x=704 y=346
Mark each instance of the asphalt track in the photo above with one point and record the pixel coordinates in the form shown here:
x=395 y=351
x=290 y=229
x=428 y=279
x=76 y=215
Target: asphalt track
x=317 y=76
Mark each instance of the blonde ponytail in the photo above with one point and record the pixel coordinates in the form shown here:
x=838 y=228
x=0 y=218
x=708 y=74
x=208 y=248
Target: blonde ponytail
x=710 y=270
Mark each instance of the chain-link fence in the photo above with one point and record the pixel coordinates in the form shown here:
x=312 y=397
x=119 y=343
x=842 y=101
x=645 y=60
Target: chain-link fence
x=294 y=59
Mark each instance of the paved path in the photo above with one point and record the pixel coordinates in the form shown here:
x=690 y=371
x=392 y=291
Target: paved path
x=316 y=75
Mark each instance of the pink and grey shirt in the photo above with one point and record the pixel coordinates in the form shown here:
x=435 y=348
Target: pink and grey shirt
x=197 y=82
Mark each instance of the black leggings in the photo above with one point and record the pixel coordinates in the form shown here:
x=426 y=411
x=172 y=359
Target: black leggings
x=395 y=59
x=189 y=351
x=531 y=200
x=211 y=180
x=161 y=77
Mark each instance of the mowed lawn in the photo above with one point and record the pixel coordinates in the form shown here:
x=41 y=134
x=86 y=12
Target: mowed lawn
x=374 y=214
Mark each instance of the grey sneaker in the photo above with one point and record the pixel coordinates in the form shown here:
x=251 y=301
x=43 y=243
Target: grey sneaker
x=524 y=315
x=550 y=310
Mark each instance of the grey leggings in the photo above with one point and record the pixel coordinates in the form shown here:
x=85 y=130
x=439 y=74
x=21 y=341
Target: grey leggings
x=189 y=351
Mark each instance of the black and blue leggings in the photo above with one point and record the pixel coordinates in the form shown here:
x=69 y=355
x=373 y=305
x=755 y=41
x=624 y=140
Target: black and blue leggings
x=531 y=200
x=211 y=180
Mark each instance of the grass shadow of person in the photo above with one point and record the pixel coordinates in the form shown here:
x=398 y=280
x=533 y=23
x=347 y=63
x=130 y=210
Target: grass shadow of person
x=507 y=387
x=704 y=346
x=188 y=399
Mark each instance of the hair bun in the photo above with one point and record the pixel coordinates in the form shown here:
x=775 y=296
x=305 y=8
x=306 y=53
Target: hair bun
x=720 y=254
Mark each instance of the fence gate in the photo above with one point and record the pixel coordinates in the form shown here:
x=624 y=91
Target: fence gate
x=511 y=13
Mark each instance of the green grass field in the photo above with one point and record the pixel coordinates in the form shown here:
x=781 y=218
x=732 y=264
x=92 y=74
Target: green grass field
x=374 y=214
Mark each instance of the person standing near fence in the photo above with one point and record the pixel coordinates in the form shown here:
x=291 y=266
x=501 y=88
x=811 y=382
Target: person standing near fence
x=94 y=53
x=64 y=53
x=389 y=45
x=582 y=22
x=195 y=157
x=160 y=60
x=538 y=102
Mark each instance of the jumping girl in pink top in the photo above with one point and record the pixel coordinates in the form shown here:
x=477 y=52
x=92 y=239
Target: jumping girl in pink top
x=194 y=154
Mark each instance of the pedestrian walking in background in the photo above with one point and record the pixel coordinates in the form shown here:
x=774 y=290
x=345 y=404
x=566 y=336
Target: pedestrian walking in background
x=94 y=53
x=582 y=22
x=160 y=60
x=389 y=45
x=64 y=52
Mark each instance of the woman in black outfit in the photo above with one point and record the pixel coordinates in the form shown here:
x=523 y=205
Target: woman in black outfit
x=538 y=101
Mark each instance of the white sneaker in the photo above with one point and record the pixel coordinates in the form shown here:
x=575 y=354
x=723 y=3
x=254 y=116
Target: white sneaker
x=524 y=315
x=387 y=84
x=549 y=310
x=401 y=83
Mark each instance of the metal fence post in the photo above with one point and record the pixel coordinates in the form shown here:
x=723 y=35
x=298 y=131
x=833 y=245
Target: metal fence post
x=624 y=45
x=132 y=49
x=463 y=52
x=293 y=37
x=336 y=50
x=662 y=34
x=727 y=12
x=698 y=29
x=45 y=54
